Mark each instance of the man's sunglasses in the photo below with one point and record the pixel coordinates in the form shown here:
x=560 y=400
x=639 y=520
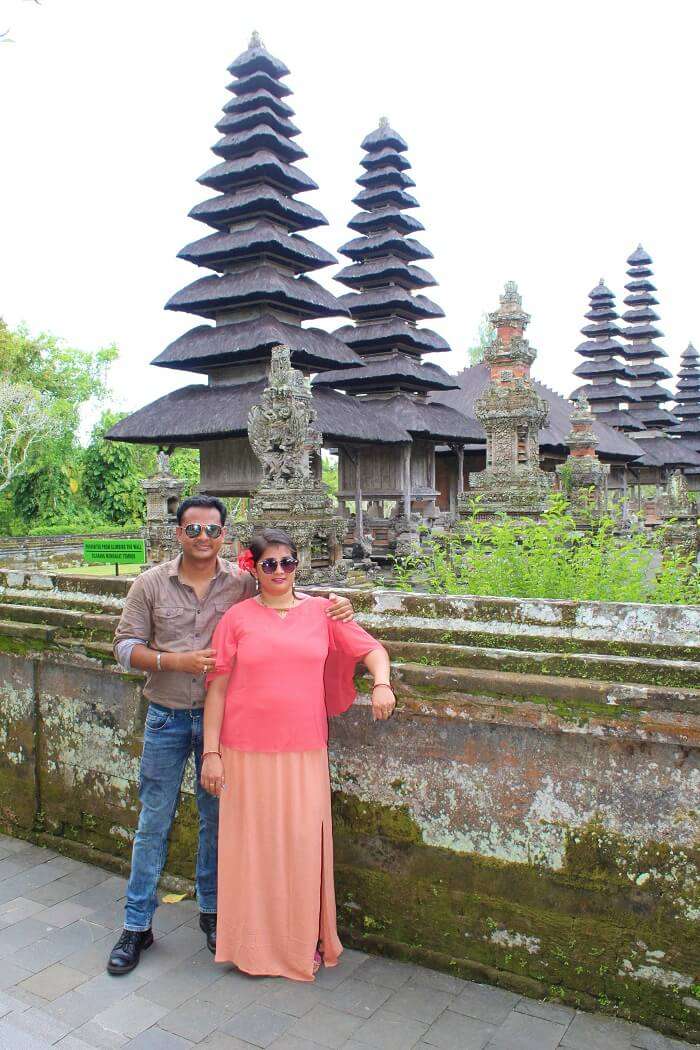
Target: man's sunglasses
x=196 y=529
x=287 y=564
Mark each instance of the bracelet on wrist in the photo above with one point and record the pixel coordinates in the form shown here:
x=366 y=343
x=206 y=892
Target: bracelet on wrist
x=377 y=684
x=204 y=755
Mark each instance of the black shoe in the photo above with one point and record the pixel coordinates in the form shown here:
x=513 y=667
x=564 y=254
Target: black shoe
x=127 y=951
x=207 y=923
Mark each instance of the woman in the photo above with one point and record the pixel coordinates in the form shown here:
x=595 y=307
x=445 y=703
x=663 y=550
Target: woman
x=265 y=755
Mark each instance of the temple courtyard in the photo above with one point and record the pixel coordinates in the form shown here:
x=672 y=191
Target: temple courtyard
x=59 y=917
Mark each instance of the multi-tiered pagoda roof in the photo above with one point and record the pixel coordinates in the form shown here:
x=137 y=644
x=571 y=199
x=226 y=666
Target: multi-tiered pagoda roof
x=641 y=353
x=687 y=408
x=386 y=298
x=259 y=292
x=601 y=364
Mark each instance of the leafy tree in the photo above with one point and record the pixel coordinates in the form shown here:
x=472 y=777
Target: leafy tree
x=111 y=479
x=487 y=334
x=26 y=416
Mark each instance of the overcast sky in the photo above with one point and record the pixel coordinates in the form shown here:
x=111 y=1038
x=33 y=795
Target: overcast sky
x=547 y=139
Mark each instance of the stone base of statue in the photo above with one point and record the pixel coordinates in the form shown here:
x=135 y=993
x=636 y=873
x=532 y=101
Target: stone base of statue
x=522 y=494
x=584 y=480
x=406 y=535
x=163 y=491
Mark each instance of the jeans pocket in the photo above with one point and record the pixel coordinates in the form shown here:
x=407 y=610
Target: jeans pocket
x=157 y=718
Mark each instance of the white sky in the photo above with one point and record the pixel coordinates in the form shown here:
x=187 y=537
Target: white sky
x=547 y=139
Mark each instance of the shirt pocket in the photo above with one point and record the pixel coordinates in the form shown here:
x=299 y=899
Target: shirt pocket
x=173 y=626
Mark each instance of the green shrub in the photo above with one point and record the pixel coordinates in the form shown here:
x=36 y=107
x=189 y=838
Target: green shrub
x=552 y=558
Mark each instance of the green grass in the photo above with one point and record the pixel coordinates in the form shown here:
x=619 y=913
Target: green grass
x=97 y=570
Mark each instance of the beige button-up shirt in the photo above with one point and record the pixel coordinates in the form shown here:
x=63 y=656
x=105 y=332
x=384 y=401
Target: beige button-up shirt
x=167 y=614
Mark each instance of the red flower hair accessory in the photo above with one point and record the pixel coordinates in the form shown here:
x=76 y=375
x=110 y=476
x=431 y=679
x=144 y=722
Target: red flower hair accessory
x=246 y=561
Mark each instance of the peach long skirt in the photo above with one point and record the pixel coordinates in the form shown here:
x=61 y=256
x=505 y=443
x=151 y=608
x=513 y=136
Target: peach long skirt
x=276 y=899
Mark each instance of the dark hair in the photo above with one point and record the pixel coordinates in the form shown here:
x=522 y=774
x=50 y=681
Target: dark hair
x=268 y=538
x=210 y=502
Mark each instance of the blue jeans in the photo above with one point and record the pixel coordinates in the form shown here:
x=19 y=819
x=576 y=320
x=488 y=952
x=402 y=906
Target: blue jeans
x=170 y=738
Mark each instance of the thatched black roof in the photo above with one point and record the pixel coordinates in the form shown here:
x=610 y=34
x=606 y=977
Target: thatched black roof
x=206 y=346
x=666 y=452
x=687 y=409
x=392 y=333
x=654 y=417
x=640 y=284
x=264 y=240
x=639 y=257
x=620 y=419
x=431 y=419
x=601 y=291
x=650 y=370
x=385 y=270
x=379 y=302
x=389 y=218
x=603 y=366
x=251 y=118
x=264 y=285
x=641 y=299
x=254 y=202
x=379 y=196
x=262 y=166
x=382 y=138
x=258 y=82
x=591 y=347
x=641 y=333
x=200 y=413
x=386 y=176
x=472 y=383
x=380 y=158
x=255 y=59
x=639 y=315
x=605 y=392
x=260 y=137
x=387 y=243
x=396 y=369
x=645 y=348
x=256 y=99
x=600 y=329
x=653 y=392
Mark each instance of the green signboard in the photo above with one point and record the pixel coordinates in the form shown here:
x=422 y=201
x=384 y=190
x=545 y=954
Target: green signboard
x=114 y=552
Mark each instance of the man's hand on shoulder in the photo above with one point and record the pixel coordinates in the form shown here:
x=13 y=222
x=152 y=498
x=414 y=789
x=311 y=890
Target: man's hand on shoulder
x=201 y=661
x=340 y=609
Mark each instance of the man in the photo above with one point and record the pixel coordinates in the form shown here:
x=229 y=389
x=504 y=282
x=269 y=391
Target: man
x=165 y=630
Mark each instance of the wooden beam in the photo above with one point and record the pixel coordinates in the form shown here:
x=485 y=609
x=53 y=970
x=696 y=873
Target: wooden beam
x=407 y=480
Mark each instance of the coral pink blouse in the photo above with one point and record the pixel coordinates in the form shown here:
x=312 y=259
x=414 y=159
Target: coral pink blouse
x=275 y=698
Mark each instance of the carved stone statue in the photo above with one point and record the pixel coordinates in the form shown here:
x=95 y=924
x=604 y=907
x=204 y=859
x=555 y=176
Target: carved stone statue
x=283 y=435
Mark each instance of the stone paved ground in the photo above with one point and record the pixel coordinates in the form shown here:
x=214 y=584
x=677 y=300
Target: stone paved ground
x=57 y=923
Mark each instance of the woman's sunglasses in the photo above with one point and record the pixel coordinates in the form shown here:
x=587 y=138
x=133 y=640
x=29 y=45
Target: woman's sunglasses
x=196 y=529
x=287 y=564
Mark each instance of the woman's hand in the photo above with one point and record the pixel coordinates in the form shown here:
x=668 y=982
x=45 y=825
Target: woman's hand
x=383 y=702
x=212 y=777
x=340 y=609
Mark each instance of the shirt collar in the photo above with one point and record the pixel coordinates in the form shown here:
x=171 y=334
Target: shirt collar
x=175 y=565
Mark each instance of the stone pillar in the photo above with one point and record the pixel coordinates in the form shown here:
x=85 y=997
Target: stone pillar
x=583 y=477
x=512 y=414
x=163 y=491
x=284 y=437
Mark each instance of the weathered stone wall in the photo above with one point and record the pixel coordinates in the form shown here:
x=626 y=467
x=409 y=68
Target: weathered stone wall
x=530 y=816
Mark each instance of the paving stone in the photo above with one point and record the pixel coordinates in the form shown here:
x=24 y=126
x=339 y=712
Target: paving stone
x=222 y=1041
x=14 y=865
x=21 y=934
x=12 y=845
x=257 y=1025
x=157 y=1039
x=421 y=1004
x=17 y=909
x=388 y=973
x=389 y=1031
x=130 y=1016
x=170 y=916
x=547 y=1011
x=53 y=981
x=356 y=998
x=78 y=934
x=331 y=976
x=590 y=1032
x=63 y=914
x=38 y=956
x=233 y=991
x=485 y=1003
x=105 y=990
x=291 y=1042
x=92 y=959
x=53 y=892
x=111 y=914
x=292 y=997
x=439 y=982
x=645 y=1039
x=112 y=889
x=37 y=1023
x=73 y=1008
x=183 y=981
x=71 y=1042
x=194 y=1019
x=325 y=1026
x=11 y=973
x=94 y=1035
x=39 y=854
x=168 y=952
x=454 y=1031
x=9 y=1002
x=522 y=1032
x=18 y=1039
x=28 y=998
